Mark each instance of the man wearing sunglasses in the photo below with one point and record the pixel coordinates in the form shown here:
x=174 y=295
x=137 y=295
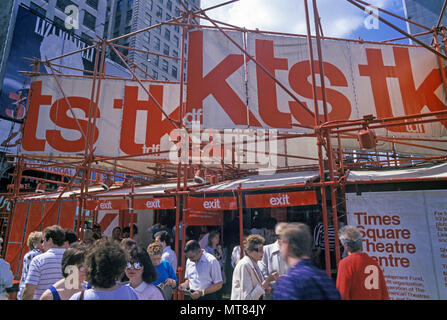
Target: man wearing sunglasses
x=248 y=281
x=46 y=268
x=202 y=273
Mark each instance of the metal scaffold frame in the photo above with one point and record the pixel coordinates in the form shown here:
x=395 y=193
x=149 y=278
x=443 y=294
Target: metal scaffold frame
x=324 y=130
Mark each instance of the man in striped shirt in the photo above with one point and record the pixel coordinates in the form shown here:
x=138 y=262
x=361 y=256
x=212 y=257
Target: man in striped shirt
x=46 y=268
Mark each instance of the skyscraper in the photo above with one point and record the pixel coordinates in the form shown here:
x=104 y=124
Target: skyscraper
x=127 y=16
x=91 y=14
x=425 y=12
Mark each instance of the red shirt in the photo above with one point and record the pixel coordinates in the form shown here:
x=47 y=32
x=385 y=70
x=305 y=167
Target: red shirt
x=360 y=278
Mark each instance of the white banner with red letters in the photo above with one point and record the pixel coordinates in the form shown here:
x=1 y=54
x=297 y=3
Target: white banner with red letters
x=227 y=90
x=361 y=78
x=406 y=232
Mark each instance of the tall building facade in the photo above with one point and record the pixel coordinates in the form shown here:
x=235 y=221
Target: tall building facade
x=425 y=12
x=125 y=16
x=90 y=14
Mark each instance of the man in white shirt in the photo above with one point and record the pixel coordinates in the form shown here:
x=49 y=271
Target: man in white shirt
x=168 y=254
x=202 y=273
x=272 y=260
x=46 y=268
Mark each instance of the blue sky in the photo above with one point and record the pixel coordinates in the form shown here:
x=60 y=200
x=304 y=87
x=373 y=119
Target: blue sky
x=339 y=18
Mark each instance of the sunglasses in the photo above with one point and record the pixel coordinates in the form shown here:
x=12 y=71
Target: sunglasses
x=135 y=265
x=259 y=249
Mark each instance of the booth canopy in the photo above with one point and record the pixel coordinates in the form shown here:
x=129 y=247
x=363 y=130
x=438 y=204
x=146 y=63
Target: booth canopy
x=433 y=171
x=256 y=181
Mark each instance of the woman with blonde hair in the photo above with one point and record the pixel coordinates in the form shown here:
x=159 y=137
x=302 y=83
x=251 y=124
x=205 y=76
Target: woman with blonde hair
x=167 y=280
x=35 y=245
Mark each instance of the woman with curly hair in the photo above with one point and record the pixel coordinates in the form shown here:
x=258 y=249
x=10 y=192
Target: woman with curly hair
x=166 y=276
x=105 y=263
x=141 y=274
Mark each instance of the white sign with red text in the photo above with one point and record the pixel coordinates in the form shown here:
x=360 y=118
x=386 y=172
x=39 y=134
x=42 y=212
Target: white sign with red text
x=405 y=231
x=361 y=78
x=228 y=90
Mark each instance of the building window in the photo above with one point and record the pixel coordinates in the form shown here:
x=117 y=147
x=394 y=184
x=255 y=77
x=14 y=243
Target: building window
x=174 y=72
x=128 y=16
x=175 y=53
x=156 y=60
x=156 y=43
x=164 y=65
x=154 y=74
x=89 y=21
x=86 y=38
x=167 y=34
x=166 y=49
x=129 y=3
x=62 y=4
x=37 y=9
x=159 y=12
x=147 y=37
x=119 y=6
x=59 y=22
x=158 y=29
x=148 y=20
x=146 y=55
x=168 y=17
x=92 y=3
x=176 y=41
x=169 y=5
x=150 y=4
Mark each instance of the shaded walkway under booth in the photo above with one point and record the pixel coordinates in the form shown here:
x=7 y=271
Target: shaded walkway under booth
x=35 y=213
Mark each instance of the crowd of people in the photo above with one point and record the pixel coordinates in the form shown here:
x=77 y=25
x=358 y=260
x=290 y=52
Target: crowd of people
x=59 y=266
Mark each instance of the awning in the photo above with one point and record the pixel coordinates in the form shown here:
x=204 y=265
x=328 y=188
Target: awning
x=257 y=181
x=212 y=203
x=66 y=194
x=434 y=171
x=138 y=204
x=282 y=199
x=143 y=190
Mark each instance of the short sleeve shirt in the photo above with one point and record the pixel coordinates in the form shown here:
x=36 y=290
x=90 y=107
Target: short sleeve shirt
x=25 y=267
x=45 y=270
x=123 y=292
x=203 y=273
x=169 y=255
x=147 y=291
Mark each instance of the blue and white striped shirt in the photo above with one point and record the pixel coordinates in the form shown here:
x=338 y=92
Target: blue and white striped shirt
x=45 y=270
x=25 y=267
